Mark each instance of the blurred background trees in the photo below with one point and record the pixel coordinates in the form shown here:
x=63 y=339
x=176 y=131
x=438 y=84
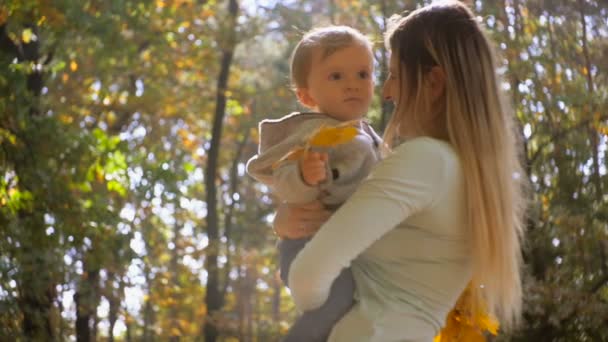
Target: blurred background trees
x=125 y=211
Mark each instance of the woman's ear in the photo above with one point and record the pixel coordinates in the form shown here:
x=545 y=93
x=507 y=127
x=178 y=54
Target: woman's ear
x=304 y=97
x=436 y=82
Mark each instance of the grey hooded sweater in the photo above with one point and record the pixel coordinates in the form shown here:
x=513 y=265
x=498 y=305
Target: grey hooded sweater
x=348 y=164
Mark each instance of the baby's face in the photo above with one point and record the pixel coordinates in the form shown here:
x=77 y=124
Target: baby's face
x=341 y=85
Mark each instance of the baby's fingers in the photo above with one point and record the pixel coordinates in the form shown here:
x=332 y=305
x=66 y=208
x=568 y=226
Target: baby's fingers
x=316 y=156
x=323 y=157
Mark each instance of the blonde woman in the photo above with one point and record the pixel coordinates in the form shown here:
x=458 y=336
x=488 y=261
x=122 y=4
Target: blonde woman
x=443 y=209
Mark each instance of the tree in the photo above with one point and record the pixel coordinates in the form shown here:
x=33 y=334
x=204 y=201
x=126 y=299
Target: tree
x=213 y=299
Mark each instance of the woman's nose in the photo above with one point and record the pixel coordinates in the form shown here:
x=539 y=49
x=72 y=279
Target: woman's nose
x=386 y=94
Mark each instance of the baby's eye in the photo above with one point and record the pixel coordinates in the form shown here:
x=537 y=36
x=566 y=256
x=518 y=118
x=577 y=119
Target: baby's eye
x=363 y=74
x=335 y=76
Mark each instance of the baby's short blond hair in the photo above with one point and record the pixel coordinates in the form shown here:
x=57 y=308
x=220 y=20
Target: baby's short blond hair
x=330 y=39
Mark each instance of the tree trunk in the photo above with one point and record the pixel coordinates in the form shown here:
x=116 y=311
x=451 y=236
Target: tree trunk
x=591 y=89
x=113 y=297
x=249 y=295
x=36 y=304
x=173 y=310
x=128 y=333
x=148 y=333
x=36 y=283
x=276 y=301
x=228 y=217
x=213 y=298
x=86 y=305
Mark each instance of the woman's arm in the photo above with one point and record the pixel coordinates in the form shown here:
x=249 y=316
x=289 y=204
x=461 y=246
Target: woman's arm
x=402 y=184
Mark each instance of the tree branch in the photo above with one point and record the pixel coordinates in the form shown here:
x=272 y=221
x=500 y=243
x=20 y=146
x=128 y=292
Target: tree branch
x=7 y=44
x=234 y=184
x=563 y=133
x=603 y=281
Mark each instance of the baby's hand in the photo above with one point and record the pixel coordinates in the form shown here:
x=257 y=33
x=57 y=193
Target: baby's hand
x=312 y=167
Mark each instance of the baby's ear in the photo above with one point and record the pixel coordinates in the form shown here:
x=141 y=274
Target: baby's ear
x=304 y=97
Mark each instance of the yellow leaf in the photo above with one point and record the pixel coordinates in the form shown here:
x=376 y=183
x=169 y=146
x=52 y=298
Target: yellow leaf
x=558 y=78
x=111 y=118
x=471 y=334
x=27 y=36
x=73 y=66
x=294 y=154
x=207 y=13
x=99 y=175
x=324 y=136
x=66 y=119
x=3 y=15
x=331 y=136
x=175 y=332
x=488 y=324
x=461 y=326
x=189 y=144
x=146 y=55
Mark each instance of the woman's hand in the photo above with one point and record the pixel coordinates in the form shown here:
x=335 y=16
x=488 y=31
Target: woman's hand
x=299 y=221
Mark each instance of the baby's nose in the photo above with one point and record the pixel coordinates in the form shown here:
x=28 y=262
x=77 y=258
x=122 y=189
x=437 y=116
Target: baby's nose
x=352 y=85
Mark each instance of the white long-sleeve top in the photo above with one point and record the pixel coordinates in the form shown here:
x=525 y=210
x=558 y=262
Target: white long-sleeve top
x=404 y=234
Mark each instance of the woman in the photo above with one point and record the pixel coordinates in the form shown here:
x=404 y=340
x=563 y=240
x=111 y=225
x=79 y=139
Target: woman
x=443 y=209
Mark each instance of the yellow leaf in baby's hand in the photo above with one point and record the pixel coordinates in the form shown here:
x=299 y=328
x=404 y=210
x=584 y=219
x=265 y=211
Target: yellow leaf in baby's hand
x=332 y=136
x=324 y=136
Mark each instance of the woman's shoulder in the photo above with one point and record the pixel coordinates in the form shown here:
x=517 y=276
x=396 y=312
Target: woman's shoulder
x=426 y=147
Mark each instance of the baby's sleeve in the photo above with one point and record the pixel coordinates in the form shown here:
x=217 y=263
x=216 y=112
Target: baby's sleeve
x=289 y=186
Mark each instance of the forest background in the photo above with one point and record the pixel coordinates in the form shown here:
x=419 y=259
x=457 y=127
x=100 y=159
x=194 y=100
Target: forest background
x=125 y=211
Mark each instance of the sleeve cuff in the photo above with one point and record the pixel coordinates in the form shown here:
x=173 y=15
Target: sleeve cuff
x=290 y=186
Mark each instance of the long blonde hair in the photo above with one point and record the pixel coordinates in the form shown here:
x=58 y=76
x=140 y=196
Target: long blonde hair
x=480 y=126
